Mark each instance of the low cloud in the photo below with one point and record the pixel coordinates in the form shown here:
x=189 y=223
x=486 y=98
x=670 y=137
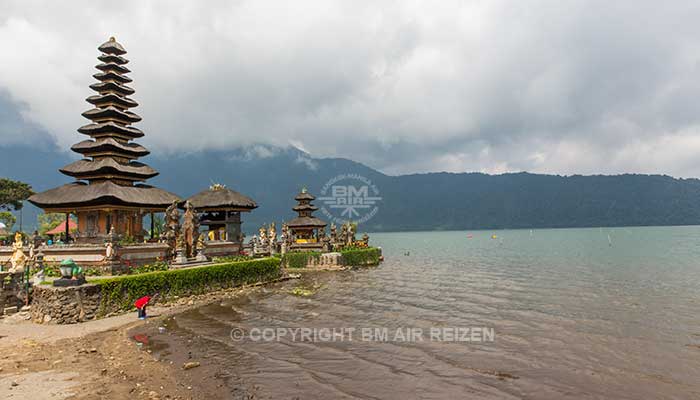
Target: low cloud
x=544 y=86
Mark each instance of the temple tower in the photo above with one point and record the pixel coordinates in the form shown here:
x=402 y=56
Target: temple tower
x=108 y=192
x=305 y=227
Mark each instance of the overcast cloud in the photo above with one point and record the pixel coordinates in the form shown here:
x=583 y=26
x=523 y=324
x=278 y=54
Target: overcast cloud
x=403 y=86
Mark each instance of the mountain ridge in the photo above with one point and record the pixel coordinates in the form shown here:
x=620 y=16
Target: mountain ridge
x=419 y=201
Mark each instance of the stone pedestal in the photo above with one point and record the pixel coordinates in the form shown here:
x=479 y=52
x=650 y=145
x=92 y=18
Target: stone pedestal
x=201 y=257
x=180 y=258
x=114 y=267
x=65 y=282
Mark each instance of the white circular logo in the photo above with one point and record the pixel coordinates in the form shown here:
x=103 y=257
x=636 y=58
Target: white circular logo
x=349 y=197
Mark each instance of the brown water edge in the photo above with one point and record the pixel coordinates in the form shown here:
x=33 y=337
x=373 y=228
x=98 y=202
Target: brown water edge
x=538 y=354
x=212 y=377
x=219 y=371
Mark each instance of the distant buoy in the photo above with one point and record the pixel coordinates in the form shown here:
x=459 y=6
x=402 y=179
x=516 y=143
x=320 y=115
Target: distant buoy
x=494 y=237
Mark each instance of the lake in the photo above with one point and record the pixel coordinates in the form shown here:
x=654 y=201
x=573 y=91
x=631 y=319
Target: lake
x=574 y=313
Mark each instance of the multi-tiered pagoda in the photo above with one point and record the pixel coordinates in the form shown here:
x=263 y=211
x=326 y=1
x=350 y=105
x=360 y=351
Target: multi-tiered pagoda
x=108 y=191
x=305 y=227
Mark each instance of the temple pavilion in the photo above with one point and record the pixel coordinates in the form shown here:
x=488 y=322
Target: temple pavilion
x=109 y=191
x=305 y=228
x=221 y=210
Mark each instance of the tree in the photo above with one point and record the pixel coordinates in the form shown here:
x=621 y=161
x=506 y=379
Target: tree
x=8 y=219
x=50 y=221
x=13 y=193
x=158 y=225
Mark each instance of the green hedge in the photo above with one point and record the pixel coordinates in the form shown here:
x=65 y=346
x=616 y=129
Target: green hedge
x=358 y=257
x=119 y=293
x=299 y=259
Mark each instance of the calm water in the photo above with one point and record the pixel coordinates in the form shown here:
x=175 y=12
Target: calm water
x=575 y=315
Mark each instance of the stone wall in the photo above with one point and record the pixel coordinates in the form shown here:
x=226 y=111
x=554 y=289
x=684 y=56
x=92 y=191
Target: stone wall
x=221 y=248
x=94 y=255
x=10 y=288
x=326 y=260
x=65 y=305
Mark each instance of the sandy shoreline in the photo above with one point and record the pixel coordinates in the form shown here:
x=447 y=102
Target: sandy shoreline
x=98 y=359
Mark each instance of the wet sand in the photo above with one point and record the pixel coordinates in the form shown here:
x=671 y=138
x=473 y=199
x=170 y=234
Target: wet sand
x=99 y=359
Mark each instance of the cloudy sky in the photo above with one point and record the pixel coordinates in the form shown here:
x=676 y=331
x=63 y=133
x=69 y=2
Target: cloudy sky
x=404 y=86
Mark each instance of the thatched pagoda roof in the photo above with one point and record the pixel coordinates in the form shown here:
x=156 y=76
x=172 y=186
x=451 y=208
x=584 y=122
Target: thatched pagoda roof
x=79 y=194
x=110 y=113
x=306 y=222
x=111 y=76
x=110 y=129
x=84 y=169
x=305 y=207
x=113 y=67
x=111 y=99
x=112 y=58
x=112 y=87
x=221 y=198
x=304 y=195
x=112 y=47
x=110 y=145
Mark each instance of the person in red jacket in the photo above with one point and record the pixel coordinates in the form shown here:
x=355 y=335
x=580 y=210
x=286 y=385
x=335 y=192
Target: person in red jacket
x=141 y=304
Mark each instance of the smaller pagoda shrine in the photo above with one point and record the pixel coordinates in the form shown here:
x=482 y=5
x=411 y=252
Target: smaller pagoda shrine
x=220 y=209
x=306 y=231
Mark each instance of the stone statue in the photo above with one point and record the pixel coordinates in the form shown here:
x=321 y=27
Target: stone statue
x=263 y=240
x=350 y=240
x=272 y=238
x=343 y=239
x=256 y=244
x=18 y=259
x=201 y=245
x=190 y=230
x=40 y=276
x=286 y=236
x=112 y=235
x=180 y=252
x=172 y=227
x=262 y=234
x=172 y=216
x=326 y=241
x=34 y=244
x=334 y=234
x=284 y=245
x=272 y=233
x=110 y=254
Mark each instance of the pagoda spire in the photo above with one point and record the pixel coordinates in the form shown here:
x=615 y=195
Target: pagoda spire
x=109 y=153
x=304 y=207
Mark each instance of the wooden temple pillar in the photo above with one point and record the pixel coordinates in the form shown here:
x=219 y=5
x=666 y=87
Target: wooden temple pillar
x=67 y=227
